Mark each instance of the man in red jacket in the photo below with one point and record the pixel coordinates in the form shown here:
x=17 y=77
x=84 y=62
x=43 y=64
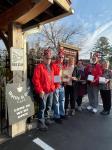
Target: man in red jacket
x=94 y=71
x=43 y=81
x=59 y=94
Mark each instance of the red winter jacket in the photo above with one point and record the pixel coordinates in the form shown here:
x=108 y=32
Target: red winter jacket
x=96 y=71
x=56 y=68
x=43 y=80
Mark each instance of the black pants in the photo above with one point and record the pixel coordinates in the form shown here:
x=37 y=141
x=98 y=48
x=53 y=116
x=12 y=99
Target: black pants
x=106 y=99
x=79 y=100
x=69 y=97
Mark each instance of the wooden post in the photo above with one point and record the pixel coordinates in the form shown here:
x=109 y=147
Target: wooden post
x=25 y=57
x=16 y=40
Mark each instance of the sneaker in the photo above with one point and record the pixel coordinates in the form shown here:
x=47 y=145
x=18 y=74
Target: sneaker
x=58 y=120
x=63 y=117
x=42 y=126
x=49 y=122
x=66 y=112
x=105 y=112
x=94 y=110
x=89 y=107
x=72 y=113
x=79 y=108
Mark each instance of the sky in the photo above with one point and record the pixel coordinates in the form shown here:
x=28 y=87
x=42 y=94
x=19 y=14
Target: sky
x=96 y=18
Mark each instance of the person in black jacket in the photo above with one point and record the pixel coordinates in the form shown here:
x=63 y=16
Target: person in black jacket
x=105 y=88
x=82 y=87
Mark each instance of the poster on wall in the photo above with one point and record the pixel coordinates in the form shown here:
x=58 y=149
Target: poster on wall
x=17 y=59
x=20 y=102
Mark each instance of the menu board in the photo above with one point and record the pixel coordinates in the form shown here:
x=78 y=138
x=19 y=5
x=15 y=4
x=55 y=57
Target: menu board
x=19 y=102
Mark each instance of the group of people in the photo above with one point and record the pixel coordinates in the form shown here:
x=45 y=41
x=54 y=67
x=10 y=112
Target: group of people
x=59 y=87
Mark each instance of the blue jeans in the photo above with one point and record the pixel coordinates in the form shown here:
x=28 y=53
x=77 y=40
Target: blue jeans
x=46 y=99
x=59 y=102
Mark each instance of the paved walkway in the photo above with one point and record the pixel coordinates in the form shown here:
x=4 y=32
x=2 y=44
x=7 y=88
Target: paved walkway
x=84 y=131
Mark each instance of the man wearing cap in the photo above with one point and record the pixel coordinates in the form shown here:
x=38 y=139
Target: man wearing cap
x=59 y=94
x=43 y=81
x=95 y=71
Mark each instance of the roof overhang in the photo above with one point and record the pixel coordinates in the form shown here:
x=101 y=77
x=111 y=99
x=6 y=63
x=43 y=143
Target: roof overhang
x=32 y=13
x=69 y=46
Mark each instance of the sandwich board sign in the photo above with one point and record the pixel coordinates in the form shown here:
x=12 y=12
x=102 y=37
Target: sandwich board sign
x=17 y=59
x=20 y=102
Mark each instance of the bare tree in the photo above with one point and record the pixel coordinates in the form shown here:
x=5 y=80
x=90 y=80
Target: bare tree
x=56 y=32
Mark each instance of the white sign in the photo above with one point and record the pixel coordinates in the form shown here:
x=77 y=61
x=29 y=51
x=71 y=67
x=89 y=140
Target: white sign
x=17 y=59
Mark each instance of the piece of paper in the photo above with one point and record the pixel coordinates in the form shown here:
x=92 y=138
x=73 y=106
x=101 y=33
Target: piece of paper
x=65 y=75
x=65 y=79
x=57 y=79
x=102 y=80
x=90 y=78
x=65 y=72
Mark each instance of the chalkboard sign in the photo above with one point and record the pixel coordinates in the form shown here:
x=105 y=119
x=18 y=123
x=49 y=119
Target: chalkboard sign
x=19 y=102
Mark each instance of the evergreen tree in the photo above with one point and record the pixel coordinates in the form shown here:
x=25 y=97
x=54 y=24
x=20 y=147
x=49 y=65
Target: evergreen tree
x=103 y=46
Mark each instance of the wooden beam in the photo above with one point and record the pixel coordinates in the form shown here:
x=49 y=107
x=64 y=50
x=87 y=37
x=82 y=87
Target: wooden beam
x=35 y=11
x=14 y=12
x=70 y=12
x=49 y=13
x=73 y=47
x=15 y=35
x=64 y=4
x=50 y=20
